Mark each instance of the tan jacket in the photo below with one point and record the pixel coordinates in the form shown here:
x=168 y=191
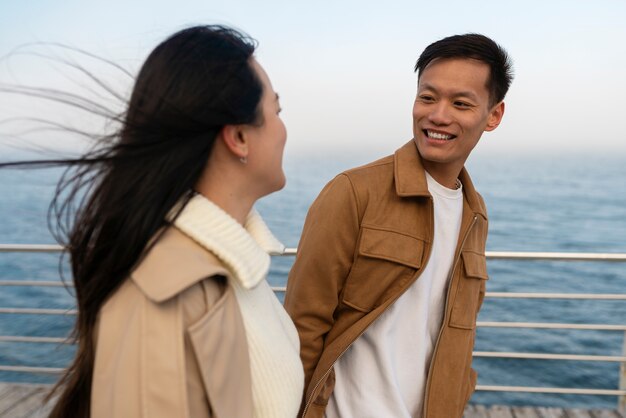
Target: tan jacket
x=366 y=239
x=171 y=342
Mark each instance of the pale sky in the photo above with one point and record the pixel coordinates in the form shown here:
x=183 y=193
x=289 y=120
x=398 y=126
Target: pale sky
x=344 y=69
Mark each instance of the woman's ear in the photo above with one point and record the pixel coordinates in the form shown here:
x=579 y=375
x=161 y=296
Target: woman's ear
x=235 y=140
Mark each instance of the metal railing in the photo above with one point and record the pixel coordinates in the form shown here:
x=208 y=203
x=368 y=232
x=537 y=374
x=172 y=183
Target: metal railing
x=499 y=255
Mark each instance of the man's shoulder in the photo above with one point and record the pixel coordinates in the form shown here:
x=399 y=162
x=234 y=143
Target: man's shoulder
x=383 y=167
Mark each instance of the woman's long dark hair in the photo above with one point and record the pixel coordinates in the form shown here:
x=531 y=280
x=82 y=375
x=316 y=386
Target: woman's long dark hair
x=114 y=199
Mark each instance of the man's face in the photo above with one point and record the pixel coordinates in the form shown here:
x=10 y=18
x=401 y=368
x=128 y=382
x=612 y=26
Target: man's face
x=451 y=111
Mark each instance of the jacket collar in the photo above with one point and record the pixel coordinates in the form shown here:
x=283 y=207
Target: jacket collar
x=180 y=258
x=410 y=178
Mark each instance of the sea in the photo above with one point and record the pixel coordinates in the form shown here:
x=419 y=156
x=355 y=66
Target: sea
x=553 y=202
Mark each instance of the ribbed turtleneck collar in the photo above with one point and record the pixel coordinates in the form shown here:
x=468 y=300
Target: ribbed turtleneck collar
x=245 y=250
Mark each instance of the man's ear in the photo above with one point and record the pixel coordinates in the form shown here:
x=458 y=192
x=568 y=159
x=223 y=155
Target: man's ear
x=235 y=140
x=495 y=117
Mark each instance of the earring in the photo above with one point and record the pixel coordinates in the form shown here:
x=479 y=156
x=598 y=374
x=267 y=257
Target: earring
x=244 y=160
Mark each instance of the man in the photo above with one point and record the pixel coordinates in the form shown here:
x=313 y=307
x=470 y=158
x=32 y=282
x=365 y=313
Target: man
x=391 y=271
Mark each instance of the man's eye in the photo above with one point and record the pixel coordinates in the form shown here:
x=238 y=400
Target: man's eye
x=462 y=104
x=426 y=98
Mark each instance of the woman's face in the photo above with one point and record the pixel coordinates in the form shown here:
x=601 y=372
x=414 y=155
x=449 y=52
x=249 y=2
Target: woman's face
x=267 y=141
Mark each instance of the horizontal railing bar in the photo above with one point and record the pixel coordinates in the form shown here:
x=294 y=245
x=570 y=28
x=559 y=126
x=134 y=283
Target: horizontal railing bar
x=26 y=369
x=24 y=339
x=490 y=388
x=532 y=255
x=587 y=296
x=30 y=248
x=282 y=289
x=33 y=311
x=495 y=255
x=42 y=283
x=511 y=295
x=543 y=325
x=483 y=354
x=548 y=325
x=547 y=356
x=565 y=391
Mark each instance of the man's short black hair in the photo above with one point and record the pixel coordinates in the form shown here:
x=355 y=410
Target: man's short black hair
x=478 y=47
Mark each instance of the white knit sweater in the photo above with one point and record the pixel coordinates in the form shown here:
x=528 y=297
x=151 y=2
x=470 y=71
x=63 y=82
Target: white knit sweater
x=274 y=347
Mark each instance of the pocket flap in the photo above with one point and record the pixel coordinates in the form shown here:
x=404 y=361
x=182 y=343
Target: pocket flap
x=392 y=246
x=475 y=265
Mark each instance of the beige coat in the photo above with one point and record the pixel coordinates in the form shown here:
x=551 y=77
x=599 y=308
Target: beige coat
x=171 y=341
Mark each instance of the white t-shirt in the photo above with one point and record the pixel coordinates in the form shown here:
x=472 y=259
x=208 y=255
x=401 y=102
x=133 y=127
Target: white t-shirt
x=383 y=373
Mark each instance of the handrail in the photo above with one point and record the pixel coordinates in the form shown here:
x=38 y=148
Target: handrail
x=564 y=391
x=585 y=296
x=554 y=256
x=25 y=339
x=38 y=311
x=42 y=283
x=495 y=255
x=486 y=354
x=492 y=388
x=549 y=325
x=481 y=324
x=28 y=369
x=548 y=356
x=282 y=289
x=30 y=248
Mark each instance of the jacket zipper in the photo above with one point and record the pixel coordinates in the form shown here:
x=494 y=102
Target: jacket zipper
x=308 y=403
x=432 y=360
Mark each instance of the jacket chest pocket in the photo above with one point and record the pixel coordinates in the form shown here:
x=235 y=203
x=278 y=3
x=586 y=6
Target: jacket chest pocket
x=469 y=291
x=385 y=261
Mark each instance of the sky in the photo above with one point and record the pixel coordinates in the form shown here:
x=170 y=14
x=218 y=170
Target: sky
x=344 y=69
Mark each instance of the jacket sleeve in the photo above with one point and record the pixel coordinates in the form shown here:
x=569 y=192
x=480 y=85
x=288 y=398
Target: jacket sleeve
x=325 y=256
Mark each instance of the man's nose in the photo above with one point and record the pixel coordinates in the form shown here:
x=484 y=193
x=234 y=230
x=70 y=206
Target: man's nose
x=440 y=114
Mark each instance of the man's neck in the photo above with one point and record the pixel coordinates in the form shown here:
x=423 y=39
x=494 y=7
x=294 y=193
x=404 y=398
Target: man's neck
x=447 y=177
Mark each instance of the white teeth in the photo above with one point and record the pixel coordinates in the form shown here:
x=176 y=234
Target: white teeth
x=436 y=135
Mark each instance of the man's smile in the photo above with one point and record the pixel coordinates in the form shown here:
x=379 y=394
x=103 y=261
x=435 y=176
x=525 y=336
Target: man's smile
x=438 y=135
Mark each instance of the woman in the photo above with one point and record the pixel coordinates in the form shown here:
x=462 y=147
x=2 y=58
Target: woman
x=169 y=258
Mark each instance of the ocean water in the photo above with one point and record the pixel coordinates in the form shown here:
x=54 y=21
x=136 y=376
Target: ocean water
x=536 y=203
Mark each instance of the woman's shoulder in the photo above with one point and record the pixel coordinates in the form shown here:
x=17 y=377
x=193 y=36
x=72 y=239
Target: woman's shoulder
x=175 y=263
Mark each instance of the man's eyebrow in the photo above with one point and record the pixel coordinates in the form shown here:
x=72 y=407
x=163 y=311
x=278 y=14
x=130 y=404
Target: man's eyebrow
x=277 y=97
x=426 y=86
x=468 y=94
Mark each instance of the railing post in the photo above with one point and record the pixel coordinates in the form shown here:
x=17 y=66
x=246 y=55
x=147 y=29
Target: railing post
x=621 y=404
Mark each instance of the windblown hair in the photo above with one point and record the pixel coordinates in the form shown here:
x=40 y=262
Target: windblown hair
x=478 y=47
x=113 y=200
